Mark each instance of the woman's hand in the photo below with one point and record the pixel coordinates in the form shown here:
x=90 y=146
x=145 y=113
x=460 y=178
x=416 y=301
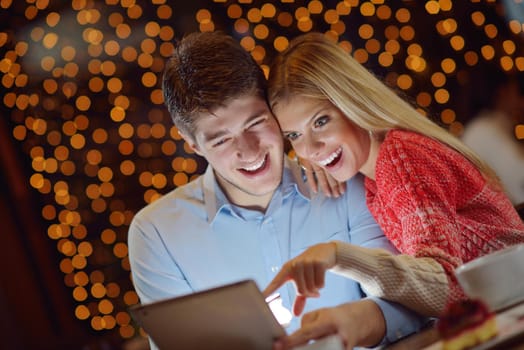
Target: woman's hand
x=317 y=178
x=307 y=271
x=359 y=323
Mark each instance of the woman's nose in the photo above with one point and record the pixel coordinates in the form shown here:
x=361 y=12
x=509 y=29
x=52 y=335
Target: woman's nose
x=312 y=146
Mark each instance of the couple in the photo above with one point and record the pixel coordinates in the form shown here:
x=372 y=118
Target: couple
x=435 y=202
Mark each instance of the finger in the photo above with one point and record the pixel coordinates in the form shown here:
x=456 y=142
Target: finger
x=342 y=187
x=329 y=185
x=279 y=345
x=320 y=275
x=334 y=185
x=310 y=280
x=337 y=188
x=309 y=317
x=297 y=275
x=323 y=180
x=299 y=304
x=310 y=331
x=311 y=179
x=281 y=277
x=323 y=183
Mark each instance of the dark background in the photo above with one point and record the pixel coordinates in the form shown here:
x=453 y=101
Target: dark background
x=37 y=294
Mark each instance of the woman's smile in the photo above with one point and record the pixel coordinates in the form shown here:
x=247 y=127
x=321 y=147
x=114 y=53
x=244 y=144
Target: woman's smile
x=321 y=133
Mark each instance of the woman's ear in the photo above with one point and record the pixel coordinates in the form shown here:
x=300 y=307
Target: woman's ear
x=191 y=143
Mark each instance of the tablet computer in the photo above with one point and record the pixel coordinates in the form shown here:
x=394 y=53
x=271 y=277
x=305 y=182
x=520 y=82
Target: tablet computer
x=229 y=317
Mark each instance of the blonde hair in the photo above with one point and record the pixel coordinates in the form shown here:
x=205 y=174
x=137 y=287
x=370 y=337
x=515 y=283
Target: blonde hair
x=314 y=66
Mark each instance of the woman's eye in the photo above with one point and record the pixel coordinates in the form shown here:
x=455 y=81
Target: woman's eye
x=292 y=136
x=321 y=121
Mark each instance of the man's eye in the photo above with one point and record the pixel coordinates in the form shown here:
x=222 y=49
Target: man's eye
x=321 y=121
x=220 y=142
x=257 y=122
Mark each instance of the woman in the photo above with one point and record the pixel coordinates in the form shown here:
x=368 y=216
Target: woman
x=438 y=203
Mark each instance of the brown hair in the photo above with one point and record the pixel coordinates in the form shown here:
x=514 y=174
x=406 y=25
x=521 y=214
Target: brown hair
x=206 y=71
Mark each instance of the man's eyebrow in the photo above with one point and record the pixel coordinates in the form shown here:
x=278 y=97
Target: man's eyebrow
x=214 y=135
x=255 y=115
x=218 y=134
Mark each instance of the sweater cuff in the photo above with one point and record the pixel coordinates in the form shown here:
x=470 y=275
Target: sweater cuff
x=418 y=283
x=358 y=263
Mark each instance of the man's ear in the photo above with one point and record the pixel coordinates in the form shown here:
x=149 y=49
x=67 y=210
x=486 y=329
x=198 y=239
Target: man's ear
x=191 y=143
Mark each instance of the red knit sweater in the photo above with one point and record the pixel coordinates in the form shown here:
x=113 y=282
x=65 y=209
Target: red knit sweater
x=432 y=202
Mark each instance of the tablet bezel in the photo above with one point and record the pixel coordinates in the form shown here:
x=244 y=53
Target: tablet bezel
x=229 y=317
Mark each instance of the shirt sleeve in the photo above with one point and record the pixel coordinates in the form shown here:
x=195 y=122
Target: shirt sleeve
x=365 y=232
x=400 y=321
x=154 y=273
x=363 y=228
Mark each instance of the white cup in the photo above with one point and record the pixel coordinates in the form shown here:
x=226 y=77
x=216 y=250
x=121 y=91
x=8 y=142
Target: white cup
x=496 y=278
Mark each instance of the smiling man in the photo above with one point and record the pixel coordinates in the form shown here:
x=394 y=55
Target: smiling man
x=250 y=211
x=242 y=141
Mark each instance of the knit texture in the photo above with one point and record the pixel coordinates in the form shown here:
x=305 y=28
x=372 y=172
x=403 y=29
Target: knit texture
x=433 y=203
x=419 y=283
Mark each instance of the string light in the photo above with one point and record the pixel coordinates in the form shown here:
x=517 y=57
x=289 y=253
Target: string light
x=81 y=88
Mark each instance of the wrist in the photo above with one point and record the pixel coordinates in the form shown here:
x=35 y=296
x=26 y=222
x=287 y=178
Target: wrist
x=333 y=246
x=372 y=324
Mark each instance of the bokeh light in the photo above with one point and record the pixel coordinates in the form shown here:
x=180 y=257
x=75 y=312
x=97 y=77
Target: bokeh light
x=81 y=89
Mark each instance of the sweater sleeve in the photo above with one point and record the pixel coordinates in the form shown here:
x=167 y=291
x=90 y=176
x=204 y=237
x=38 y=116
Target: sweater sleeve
x=420 y=284
x=426 y=187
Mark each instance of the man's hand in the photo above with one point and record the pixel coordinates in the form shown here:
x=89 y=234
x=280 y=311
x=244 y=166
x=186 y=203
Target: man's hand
x=307 y=271
x=359 y=323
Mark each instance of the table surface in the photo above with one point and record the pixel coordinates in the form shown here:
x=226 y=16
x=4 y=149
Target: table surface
x=510 y=322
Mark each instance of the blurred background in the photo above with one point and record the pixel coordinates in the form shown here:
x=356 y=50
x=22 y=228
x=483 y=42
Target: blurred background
x=85 y=140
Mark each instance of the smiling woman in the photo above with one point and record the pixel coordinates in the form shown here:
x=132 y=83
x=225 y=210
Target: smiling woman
x=319 y=132
x=250 y=211
x=436 y=201
x=81 y=94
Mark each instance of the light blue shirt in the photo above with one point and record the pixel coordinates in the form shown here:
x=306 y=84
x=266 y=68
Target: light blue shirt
x=193 y=239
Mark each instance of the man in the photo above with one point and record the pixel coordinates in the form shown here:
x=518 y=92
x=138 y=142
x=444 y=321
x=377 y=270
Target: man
x=250 y=212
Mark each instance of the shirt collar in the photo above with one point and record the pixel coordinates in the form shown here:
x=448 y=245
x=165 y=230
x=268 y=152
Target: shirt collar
x=215 y=200
x=293 y=180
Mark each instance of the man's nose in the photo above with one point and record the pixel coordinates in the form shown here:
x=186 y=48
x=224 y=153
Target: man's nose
x=248 y=146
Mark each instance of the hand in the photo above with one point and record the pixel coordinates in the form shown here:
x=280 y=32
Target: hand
x=307 y=271
x=317 y=177
x=360 y=323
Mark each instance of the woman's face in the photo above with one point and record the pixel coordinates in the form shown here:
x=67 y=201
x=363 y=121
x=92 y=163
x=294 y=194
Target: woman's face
x=320 y=133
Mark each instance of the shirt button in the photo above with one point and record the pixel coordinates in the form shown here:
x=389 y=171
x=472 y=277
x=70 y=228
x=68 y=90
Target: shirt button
x=275 y=268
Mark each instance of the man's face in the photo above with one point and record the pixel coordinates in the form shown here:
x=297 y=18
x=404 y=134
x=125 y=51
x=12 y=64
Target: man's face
x=243 y=144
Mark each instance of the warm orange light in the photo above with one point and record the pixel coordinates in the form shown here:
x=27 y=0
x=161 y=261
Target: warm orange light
x=88 y=109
